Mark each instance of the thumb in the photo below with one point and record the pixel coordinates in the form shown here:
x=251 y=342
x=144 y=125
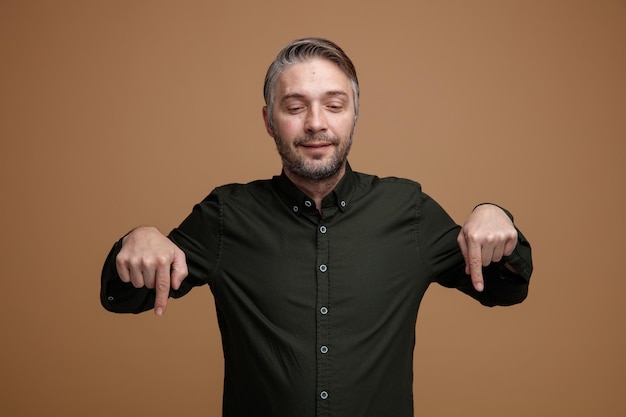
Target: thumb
x=464 y=250
x=179 y=269
x=510 y=245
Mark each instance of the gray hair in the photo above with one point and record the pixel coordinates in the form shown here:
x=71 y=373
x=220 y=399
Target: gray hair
x=302 y=50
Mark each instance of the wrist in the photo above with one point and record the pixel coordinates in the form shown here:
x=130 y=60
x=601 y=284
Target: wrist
x=509 y=215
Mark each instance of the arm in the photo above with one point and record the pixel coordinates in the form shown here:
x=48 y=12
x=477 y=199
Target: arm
x=145 y=267
x=505 y=268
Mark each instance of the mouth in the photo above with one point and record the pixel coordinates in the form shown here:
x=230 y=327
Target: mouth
x=317 y=150
x=316 y=145
x=321 y=141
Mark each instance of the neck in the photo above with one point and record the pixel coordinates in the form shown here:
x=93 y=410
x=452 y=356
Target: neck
x=316 y=189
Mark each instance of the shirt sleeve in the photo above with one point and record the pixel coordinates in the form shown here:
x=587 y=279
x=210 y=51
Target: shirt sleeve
x=198 y=236
x=438 y=235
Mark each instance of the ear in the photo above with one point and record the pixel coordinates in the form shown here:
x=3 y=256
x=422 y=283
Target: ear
x=266 y=120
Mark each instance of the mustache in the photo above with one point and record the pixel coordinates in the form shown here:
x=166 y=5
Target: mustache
x=316 y=138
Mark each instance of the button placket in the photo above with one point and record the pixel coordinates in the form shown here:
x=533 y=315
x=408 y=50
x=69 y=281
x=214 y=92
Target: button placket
x=323 y=321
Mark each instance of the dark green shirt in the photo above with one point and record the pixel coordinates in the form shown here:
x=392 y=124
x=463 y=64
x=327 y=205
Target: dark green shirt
x=317 y=312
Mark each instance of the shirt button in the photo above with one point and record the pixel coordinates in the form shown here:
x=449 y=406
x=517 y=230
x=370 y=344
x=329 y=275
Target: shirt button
x=110 y=298
x=295 y=209
x=308 y=203
x=323 y=268
x=324 y=349
x=323 y=395
x=323 y=229
x=343 y=203
x=324 y=310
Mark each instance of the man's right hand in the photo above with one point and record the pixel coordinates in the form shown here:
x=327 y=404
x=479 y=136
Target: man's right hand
x=149 y=259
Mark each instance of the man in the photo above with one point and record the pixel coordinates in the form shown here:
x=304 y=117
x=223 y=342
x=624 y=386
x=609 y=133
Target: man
x=318 y=273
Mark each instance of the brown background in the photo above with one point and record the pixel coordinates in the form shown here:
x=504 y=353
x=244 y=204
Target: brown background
x=121 y=113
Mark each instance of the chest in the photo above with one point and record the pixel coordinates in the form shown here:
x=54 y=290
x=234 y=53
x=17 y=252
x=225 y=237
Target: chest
x=361 y=266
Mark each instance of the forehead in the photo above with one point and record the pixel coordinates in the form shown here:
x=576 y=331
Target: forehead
x=312 y=78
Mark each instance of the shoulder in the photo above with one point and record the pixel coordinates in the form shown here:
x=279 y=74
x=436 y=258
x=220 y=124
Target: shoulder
x=239 y=192
x=388 y=183
x=235 y=189
x=394 y=193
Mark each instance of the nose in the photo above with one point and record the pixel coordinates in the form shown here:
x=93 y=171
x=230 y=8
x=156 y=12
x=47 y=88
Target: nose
x=315 y=120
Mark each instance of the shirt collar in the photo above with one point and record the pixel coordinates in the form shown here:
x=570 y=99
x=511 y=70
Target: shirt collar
x=299 y=202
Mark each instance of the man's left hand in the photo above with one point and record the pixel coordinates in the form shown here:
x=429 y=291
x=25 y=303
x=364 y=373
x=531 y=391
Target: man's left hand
x=487 y=235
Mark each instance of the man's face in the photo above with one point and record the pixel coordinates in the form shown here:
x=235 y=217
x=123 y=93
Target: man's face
x=314 y=119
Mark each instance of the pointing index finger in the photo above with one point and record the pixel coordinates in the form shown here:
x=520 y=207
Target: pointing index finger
x=162 y=288
x=474 y=259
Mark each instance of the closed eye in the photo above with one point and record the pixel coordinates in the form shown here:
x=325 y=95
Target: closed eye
x=335 y=107
x=295 y=109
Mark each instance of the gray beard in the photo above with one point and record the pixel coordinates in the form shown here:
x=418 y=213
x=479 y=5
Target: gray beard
x=298 y=165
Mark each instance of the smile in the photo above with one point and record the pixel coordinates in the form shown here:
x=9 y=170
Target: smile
x=317 y=145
